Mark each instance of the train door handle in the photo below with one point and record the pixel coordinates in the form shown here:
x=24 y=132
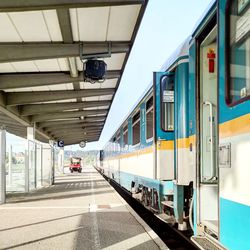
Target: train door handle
x=210 y=105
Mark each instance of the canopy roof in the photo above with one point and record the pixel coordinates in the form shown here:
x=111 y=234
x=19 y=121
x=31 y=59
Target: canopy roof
x=41 y=80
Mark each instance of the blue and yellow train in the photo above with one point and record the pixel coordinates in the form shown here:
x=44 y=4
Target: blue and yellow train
x=184 y=150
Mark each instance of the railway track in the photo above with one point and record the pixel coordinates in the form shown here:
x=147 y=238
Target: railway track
x=174 y=239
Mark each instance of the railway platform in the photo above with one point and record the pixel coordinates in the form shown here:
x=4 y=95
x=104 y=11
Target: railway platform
x=80 y=211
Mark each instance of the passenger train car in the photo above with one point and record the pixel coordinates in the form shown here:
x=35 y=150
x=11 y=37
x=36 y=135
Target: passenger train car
x=184 y=150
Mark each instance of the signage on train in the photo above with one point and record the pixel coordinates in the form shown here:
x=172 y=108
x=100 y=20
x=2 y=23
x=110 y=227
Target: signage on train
x=168 y=96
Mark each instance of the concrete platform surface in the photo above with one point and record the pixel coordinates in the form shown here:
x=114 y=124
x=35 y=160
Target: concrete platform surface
x=81 y=211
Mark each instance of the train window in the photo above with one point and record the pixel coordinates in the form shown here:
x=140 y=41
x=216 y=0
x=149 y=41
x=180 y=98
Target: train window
x=149 y=118
x=136 y=128
x=125 y=137
x=118 y=142
x=238 y=45
x=167 y=103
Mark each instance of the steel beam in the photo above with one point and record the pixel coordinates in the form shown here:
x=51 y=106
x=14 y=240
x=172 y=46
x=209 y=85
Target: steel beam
x=19 y=98
x=76 y=132
x=25 y=5
x=78 y=138
x=65 y=25
x=36 y=51
x=69 y=129
x=68 y=142
x=76 y=125
x=25 y=80
x=71 y=121
x=33 y=109
x=88 y=129
x=66 y=115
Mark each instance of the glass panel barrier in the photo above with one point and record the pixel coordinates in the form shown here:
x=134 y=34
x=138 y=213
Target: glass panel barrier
x=15 y=168
x=32 y=164
x=39 y=165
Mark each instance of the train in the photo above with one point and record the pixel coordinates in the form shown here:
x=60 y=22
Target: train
x=184 y=149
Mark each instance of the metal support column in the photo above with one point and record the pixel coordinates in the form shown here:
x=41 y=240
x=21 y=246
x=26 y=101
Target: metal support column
x=61 y=160
x=2 y=165
x=10 y=166
x=52 y=170
x=28 y=157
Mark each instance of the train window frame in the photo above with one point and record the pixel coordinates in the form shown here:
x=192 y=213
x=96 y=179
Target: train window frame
x=171 y=74
x=125 y=130
x=151 y=108
x=133 y=124
x=228 y=51
x=118 y=141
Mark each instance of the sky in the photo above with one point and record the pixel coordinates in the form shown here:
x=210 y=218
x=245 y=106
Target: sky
x=165 y=25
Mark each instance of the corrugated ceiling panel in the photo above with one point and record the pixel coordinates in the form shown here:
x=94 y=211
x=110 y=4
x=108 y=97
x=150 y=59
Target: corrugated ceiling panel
x=91 y=98
x=110 y=83
x=105 y=97
x=103 y=107
x=87 y=85
x=63 y=64
x=74 y=24
x=68 y=100
x=30 y=33
x=68 y=110
x=122 y=22
x=115 y=61
x=65 y=86
x=48 y=65
x=18 y=90
x=92 y=23
x=35 y=66
x=96 y=115
x=92 y=108
x=25 y=66
x=97 y=108
x=40 y=88
x=10 y=34
x=53 y=26
x=6 y=68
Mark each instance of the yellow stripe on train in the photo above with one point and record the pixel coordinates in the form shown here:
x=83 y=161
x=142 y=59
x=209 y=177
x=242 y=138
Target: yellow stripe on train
x=240 y=125
x=165 y=145
x=185 y=142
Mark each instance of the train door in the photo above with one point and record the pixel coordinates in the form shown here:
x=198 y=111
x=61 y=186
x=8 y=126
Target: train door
x=164 y=126
x=208 y=133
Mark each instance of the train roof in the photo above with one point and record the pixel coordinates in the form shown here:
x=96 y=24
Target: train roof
x=210 y=8
x=179 y=53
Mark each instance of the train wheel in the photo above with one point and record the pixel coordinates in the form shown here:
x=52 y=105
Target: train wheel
x=155 y=200
x=144 y=196
x=149 y=197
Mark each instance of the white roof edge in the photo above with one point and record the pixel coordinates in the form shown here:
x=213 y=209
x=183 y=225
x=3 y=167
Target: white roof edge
x=181 y=51
x=203 y=15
